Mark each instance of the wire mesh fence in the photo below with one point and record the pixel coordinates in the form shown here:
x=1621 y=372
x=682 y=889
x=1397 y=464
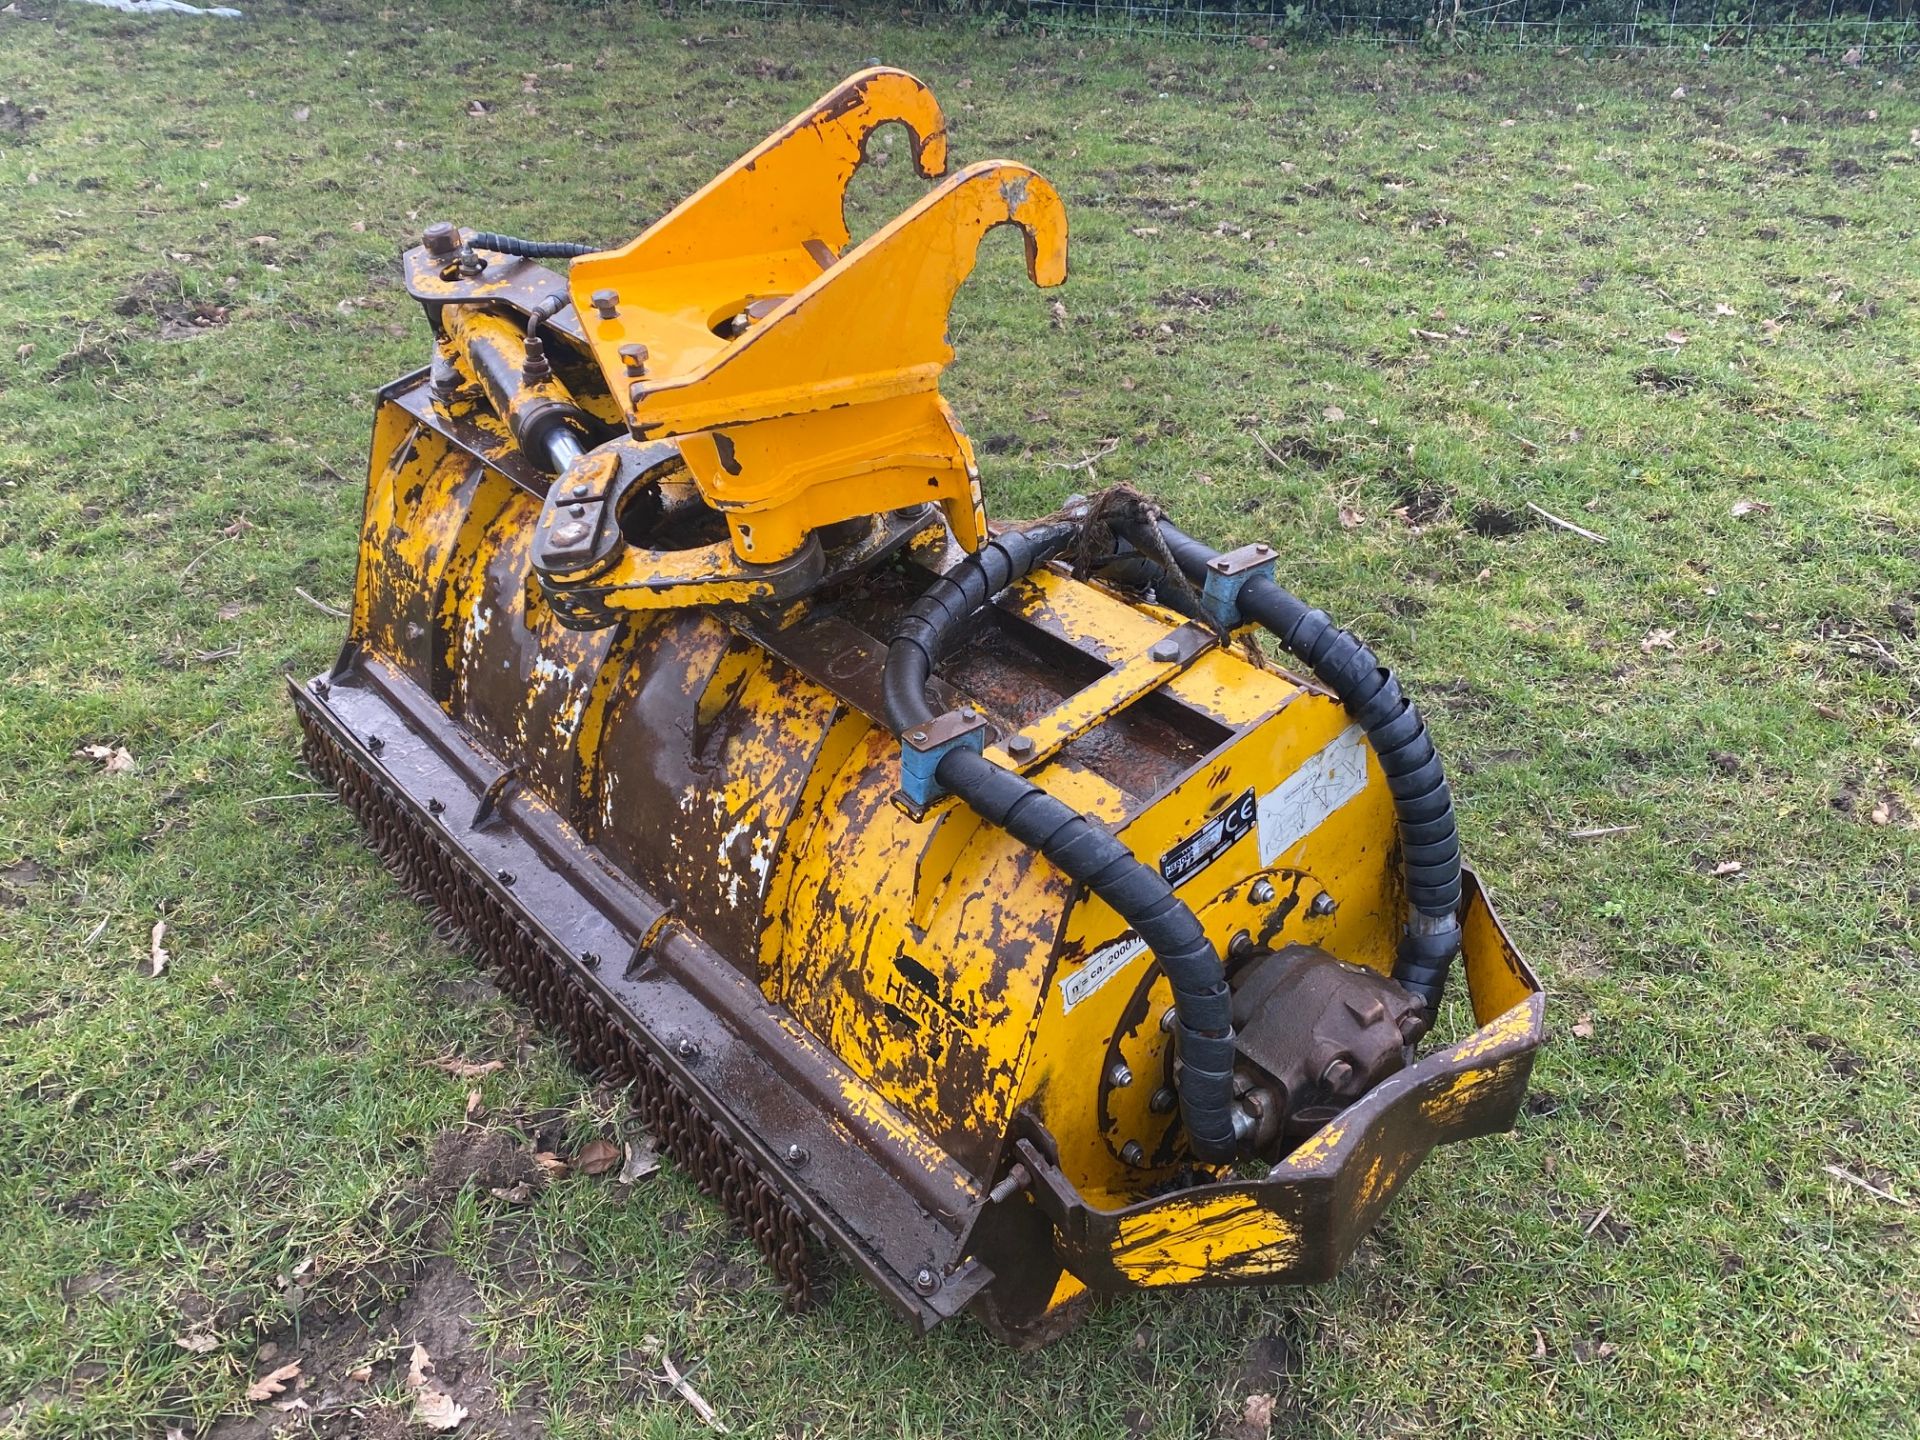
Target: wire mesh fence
x=1847 y=31
x=1852 y=32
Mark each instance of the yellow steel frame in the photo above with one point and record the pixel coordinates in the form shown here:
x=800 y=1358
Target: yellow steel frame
x=826 y=405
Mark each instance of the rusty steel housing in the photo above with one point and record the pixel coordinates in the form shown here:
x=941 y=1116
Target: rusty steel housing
x=974 y=901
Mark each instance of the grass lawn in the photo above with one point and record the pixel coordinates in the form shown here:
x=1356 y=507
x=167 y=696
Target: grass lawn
x=1371 y=306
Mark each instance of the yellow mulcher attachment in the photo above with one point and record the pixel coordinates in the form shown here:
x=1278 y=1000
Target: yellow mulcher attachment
x=971 y=899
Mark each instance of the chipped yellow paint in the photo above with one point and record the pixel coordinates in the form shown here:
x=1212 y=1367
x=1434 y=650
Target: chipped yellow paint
x=798 y=377
x=1204 y=1236
x=1068 y=1288
x=1092 y=705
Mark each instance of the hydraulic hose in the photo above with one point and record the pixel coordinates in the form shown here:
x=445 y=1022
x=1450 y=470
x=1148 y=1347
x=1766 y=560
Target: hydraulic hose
x=1082 y=849
x=530 y=249
x=1429 y=837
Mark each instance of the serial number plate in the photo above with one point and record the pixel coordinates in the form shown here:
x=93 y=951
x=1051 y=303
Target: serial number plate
x=1211 y=840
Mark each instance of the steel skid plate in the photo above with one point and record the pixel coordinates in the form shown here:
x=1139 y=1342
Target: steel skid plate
x=732 y=1090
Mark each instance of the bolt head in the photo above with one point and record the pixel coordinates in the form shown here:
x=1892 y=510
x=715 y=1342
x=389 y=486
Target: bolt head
x=919 y=737
x=925 y=1281
x=1337 y=1073
x=1262 y=892
x=1019 y=746
x=436 y=806
x=1323 y=905
x=1132 y=1154
x=572 y=533
x=687 y=1048
x=1163 y=1101
x=1120 y=1076
x=1167 y=1018
x=1164 y=653
x=506 y=877
x=1240 y=944
x=582 y=488
x=441 y=238
x=607 y=302
x=796 y=1154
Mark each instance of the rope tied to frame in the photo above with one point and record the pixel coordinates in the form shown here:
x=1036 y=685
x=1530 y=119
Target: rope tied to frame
x=1118 y=511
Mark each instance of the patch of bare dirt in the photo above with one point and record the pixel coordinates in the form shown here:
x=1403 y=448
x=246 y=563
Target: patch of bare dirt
x=161 y=295
x=489 y=1160
x=356 y=1348
x=16 y=119
x=17 y=879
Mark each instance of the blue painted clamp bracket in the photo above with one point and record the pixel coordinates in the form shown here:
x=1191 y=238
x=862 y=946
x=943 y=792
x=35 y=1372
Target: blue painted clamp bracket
x=923 y=747
x=1226 y=574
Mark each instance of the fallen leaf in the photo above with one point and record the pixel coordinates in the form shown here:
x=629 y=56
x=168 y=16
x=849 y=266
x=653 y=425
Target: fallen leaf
x=479 y=107
x=1676 y=337
x=234 y=204
x=1539 y=1345
x=1728 y=867
x=1145 y=232
x=1679 y=93
x=467 y=1069
x=114 y=759
x=24 y=353
x=1333 y=412
x=437 y=1410
x=1350 y=518
x=301 y=114
x=513 y=1194
x=552 y=1164
x=359 y=227
x=360 y=1374
x=642 y=1161
x=1256 y=1413
x=1059 y=311
x=1583 y=1028
x=1881 y=814
x=239 y=527
x=157 y=954
x=198 y=1343
x=232 y=610
x=597 y=1157
x=1657 y=640
x=475 y=1106
x=418 y=1366
x=274 y=1381
x=1744 y=508
x=1722 y=308
x=1485 y=574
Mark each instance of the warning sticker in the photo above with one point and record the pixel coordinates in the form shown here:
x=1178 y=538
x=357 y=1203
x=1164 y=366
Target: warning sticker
x=1105 y=963
x=1210 y=841
x=1294 y=808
